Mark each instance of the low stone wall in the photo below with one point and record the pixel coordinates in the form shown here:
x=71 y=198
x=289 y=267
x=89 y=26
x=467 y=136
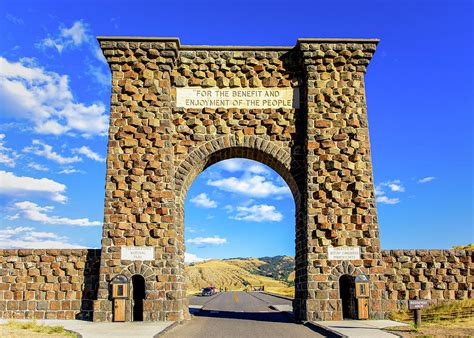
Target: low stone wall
x=62 y=284
x=48 y=284
x=439 y=275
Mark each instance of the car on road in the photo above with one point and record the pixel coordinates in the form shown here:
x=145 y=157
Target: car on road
x=207 y=292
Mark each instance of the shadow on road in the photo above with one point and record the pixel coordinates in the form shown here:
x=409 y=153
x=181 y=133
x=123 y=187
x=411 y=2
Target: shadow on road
x=276 y=317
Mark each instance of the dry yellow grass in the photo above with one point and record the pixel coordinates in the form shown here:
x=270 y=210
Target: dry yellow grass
x=32 y=329
x=291 y=277
x=445 y=312
x=450 y=319
x=288 y=291
x=231 y=274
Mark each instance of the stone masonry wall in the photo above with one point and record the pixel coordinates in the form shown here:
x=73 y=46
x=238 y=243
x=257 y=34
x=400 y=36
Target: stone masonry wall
x=439 y=275
x=341 y=208
x=48 y=284
x=61 y=284
x=321 y=149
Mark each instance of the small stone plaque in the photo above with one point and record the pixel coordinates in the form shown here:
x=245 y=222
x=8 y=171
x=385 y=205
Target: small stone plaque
x=137 y=253
x=249 y=98
x=343 y=253
x=414 y=304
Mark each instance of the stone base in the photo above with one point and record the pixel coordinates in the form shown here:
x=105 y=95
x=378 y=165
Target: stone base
x=152 y=312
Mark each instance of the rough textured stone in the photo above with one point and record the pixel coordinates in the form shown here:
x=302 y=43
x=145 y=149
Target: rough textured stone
x=326 y=156
x=35 y=272
x=156 y=149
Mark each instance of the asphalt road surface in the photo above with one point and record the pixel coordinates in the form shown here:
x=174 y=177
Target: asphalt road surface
x=241 y=314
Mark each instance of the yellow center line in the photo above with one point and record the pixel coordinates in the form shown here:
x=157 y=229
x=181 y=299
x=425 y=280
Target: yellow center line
x=236 y=297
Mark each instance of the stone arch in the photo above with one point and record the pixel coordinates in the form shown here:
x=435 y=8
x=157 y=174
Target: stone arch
x=227 y=147
x=250 y=147
x=319 y=146
x=345 y=268
x=144 y=270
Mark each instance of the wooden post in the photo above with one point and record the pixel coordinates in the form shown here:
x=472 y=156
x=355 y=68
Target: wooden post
x=417 y=315
x=416 y=305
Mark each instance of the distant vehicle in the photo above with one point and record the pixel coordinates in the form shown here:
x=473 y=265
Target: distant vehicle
x=207 y=292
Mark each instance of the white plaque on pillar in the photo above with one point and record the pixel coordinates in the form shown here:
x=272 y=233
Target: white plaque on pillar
x=250 y=98
x=343 y=253
x=137 y=253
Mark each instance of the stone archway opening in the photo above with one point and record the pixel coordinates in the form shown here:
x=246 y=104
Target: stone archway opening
x=138 y=296
x=241 y=201
x=347 y=295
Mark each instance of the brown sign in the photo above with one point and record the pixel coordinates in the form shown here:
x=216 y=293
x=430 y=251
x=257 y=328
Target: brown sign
x=418 y=304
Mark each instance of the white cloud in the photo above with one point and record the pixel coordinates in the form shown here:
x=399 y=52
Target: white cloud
x=45 y=150
x=49 y=42
x=8 y=156
x=69 y=171
x=257 y=213
x=202 y=200
x=9 y=232
x=29 y=92
x=34 y=212
x=394 y=186
x=77 y=33
x=426 y=179
x=13 y=217
x=101 y=75
x=71 y=37
x=255 y=186
x=243 y=165
x=216 y=240
x=192 y=258
x=28 y=238
x=86 y=151
x=387 y=200
x=14 y=19
x=193 y=230
x=379 y=191
x=77 y=36
x=37 y=166
x=13 y=185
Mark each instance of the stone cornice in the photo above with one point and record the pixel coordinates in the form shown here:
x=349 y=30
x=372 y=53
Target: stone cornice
x=243 y=48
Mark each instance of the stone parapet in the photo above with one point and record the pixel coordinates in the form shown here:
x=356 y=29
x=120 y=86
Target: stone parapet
x=48 y=284
x=438 y=275
x=62 y=284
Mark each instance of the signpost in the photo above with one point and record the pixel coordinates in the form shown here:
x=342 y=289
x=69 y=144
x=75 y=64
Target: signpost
x=416 y=305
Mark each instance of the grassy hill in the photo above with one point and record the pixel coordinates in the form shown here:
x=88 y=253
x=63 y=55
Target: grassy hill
x=274 y=273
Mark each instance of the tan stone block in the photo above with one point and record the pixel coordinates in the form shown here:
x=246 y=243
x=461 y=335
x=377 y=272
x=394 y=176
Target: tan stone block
x=255 y=82
x=270 y=82
x=208 y=82
x=223 y=82
x=235 y=82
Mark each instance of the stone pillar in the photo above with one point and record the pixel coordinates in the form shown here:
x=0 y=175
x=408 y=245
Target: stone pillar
x=139 y=201
x=340 y=191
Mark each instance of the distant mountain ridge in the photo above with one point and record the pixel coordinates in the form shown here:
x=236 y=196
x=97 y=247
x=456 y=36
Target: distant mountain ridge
x=276 y=274
x=279 y=267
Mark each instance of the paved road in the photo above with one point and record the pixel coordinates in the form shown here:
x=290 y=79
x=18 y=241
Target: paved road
x=240 y=314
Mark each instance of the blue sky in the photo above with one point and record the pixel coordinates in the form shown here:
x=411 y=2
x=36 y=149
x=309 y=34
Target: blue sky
x=54 y=101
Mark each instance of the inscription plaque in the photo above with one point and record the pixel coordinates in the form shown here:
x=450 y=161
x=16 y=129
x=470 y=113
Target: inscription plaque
x=414 y=304
x=343 y=253
x=137 y=253
x=258 y=98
